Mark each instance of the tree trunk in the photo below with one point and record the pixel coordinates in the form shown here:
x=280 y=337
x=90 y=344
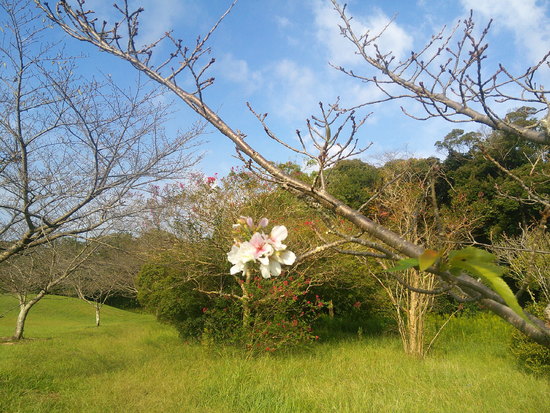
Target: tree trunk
x=415 y=325
x=20 y=323
x=97 y=314
x=417 y=306
x=246 y=313
x=24 y=308
x=245 y=298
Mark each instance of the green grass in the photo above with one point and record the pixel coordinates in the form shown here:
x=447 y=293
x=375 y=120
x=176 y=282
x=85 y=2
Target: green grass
x=133 y=364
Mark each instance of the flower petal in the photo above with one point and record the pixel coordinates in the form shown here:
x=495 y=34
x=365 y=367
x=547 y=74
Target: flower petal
x=250 y=222
x=264 y=260
x=233 y=255
x=286 y=257
x=265 y=271
x=236 y=269
x=263 y=222
x=278 y=233
x=274 y=268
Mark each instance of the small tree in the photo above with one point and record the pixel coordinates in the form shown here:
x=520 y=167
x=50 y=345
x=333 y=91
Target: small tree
x=189 y=272
x=109 y=271
x=31 y=275
x=409 y=210
x=73 y=152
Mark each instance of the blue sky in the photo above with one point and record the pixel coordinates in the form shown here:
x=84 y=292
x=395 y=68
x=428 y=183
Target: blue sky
x=275 y=53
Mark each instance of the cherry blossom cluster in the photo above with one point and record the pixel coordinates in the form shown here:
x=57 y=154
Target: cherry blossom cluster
x=267 y=250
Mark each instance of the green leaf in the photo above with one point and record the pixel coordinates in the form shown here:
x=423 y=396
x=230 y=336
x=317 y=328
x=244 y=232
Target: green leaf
x=405 y=264
x=427 y=258
x=479 y=268
x=480 y=263
x=500 y=286
x=471 y=254
x=475 y=261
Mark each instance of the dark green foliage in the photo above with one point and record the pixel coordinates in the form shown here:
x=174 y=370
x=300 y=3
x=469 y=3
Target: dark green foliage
x=124 y=303
x=161 y=291
x=493 y=196
x=354 y=293
x=283 y=310
x=353 y=181
x=222 y=323
x=530 y=355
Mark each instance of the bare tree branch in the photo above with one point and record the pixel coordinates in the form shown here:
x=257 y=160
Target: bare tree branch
x=72 y=151
x=456 y=89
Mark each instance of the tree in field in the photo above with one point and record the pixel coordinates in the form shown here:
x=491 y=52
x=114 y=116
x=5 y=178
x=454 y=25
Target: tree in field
x=110 y=270
x=73 y=151
x=408 y=204
x=456 y=90
x=32 y=274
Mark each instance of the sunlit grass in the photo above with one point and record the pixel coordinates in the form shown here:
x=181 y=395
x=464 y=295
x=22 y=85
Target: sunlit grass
x=133 y=364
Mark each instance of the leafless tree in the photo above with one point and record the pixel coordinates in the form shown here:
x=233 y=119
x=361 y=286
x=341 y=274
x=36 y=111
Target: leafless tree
x=120 y=39
x=34 y=273
x=73 y=151
x=408 y=200
x=110 y=270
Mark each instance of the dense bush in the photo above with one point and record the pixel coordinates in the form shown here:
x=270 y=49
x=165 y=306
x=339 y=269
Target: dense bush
x=161 y=292
x=530 y=355
x=187 y=281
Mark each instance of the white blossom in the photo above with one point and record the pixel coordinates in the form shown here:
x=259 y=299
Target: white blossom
x=268 y=251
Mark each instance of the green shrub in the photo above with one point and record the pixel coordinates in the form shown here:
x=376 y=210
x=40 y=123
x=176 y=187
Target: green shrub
x=222 y=323
x=531 y=356
x=162 y=293
x=283 y=311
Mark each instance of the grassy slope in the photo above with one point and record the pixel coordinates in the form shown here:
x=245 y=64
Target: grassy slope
x=133 y=364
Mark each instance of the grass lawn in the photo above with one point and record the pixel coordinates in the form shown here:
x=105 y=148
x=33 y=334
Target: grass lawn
x=133 y=364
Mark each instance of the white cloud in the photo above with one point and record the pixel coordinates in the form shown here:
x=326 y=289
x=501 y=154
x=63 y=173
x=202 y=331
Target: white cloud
x=356 y=93
x=340 y=50
x=238 y=71
x=394 y=38
x=161 y=15
x=295 y=90
x=527 y=19
x=158 y=17
x=282 y=22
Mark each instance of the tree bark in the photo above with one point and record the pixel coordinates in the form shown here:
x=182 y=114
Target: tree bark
x=97 y=314
x=245 y=300
x=24 y=308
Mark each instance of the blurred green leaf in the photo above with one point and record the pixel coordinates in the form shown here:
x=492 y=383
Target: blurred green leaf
x=404 y=264
x=480 y=263
x=427 y=258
